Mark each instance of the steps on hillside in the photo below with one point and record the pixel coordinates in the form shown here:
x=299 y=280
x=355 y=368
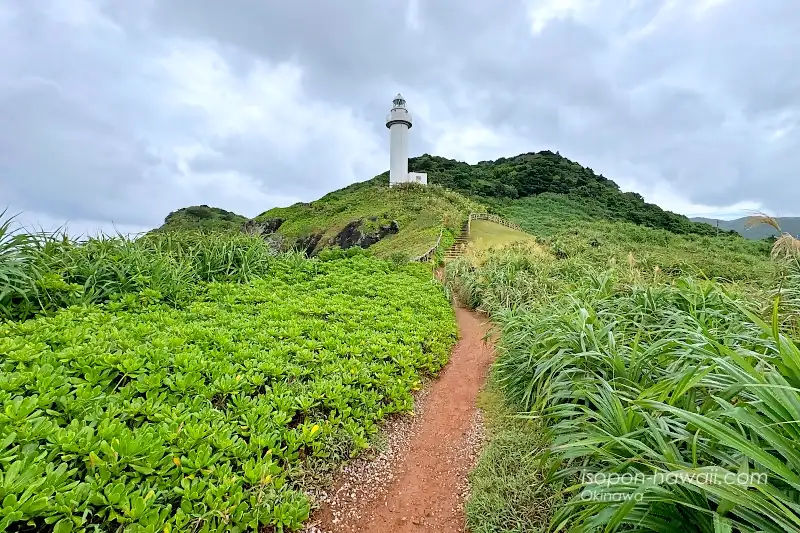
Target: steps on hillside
x=460 y=244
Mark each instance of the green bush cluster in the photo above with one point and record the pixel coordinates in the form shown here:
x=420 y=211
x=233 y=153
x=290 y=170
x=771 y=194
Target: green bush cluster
x=143 y=417
x=204 y=219
x=509 y=182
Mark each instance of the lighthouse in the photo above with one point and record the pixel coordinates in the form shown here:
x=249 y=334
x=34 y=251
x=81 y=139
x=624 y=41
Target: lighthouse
x=399 y=122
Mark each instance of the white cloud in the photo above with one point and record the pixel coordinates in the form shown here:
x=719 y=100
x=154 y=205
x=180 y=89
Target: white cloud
x=542 y=12
x=413 y=20
x=268 y=105
x=34 y=222
x=665 y=196
x=84 y=15
x=702 y=8
x=474 y=142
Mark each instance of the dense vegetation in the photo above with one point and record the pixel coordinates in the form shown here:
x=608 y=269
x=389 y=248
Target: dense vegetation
x=43 y=273
x=567 y=247
x=203 y=218
x=519 y=188
x=681 y=358
x=513 y=181
x=740 y=225
x=193 y=382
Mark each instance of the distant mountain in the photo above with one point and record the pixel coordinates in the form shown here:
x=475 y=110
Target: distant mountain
x=787 y=224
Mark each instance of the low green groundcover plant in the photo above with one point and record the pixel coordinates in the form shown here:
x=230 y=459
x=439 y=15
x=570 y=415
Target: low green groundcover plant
x=142 y=417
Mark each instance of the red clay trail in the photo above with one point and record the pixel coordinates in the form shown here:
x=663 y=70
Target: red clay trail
x=428 y=474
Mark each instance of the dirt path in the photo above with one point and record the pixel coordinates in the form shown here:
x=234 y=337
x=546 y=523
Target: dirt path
x=425 y=470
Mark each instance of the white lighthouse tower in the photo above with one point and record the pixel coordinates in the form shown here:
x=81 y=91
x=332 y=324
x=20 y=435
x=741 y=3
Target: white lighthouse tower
x=399 y=122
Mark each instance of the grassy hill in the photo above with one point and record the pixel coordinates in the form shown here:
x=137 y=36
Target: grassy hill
x=485 y=234
x=630 y=351
x=787 y=224
x=543 y=192
x=405 y=220
x=516 y=185
x=202 y=218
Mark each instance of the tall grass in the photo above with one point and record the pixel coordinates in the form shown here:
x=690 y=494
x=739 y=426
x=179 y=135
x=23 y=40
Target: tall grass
x=785 y=245
x=646 y=381
x=17 y=273
x=40 y=273
x=215 y=257
x=788 y=296
x=633 y=372
x=519 y=276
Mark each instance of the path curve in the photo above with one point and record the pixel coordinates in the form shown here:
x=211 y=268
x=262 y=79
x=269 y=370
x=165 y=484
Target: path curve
x=428 y=474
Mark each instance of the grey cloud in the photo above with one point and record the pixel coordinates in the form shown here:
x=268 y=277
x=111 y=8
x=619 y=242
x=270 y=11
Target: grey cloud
x=344 y=45
x=712 y=142
x=69 y=144
x=321 y=173
x=691 y=101
x=571 y=87
x=62 y=157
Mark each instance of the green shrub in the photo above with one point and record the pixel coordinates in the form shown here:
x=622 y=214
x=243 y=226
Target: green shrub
x=143 y=417
x=204 y=219
x=331 y=254
x=399 y=258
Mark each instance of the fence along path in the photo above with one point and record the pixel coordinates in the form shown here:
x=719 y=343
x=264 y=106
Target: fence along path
x=427 y=256
x=463 y=238
x=491 y=218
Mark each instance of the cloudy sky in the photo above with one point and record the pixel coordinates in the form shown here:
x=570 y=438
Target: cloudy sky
x=115 y=112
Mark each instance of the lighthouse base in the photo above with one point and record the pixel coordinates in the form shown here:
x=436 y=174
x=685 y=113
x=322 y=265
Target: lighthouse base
x=420 y=178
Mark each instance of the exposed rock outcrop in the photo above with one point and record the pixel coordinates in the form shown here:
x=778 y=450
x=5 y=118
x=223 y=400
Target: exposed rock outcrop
x=355 y=234
x=264 y=227
x=308 y=243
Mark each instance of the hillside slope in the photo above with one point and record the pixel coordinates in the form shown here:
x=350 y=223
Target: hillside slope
x=202 y=218
x=485 y=234
x=787 y=224
x=514 y=186
x=543 y=192
x=405 y=220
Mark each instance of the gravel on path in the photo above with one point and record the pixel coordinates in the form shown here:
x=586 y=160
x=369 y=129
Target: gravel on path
x=418 y=482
